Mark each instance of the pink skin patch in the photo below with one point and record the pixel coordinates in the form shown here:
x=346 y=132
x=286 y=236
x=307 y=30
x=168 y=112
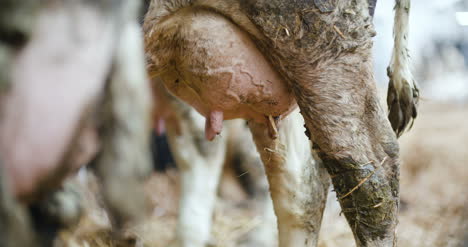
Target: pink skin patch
x=213 y=124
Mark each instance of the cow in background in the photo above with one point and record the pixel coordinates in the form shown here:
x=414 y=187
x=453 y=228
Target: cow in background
x=73 y=90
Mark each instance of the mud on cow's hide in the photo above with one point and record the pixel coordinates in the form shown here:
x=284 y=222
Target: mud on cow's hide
x=256 y=59
x=74 y=89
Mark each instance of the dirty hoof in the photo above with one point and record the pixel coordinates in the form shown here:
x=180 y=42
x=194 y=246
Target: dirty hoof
x=402 y=100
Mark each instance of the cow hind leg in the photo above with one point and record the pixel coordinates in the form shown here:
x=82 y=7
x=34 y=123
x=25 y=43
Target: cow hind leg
x=251 y=174
x=265 y=233
x=355 y=141
x=298 y=185
x=124 y=161
x=200 y=163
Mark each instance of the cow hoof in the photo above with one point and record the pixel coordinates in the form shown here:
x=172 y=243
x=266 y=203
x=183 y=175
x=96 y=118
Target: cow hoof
x=402 y=101
x=65 y=206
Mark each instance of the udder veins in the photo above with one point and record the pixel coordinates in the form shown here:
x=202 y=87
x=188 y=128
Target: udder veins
x=215 y=67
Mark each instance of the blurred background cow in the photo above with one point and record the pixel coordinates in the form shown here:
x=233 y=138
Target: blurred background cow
x=73 y=91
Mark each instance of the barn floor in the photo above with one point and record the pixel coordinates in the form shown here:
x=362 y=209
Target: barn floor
x=434 y=195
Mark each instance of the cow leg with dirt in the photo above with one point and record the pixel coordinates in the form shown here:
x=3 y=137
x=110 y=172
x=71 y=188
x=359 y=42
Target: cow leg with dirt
x=298 y=183
x=331 y=73
x=245 y=160
x=353 y=138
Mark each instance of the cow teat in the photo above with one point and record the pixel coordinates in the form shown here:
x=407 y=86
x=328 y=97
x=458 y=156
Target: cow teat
x=213 y=124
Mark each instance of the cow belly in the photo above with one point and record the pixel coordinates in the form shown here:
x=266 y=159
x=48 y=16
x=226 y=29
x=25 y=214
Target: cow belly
x=217 y=68
x=56 y=78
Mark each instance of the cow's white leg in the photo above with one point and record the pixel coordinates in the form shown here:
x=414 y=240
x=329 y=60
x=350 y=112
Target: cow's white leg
x=254 y=180
x=298 y=184
x=200 y=163
x=265 y=234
